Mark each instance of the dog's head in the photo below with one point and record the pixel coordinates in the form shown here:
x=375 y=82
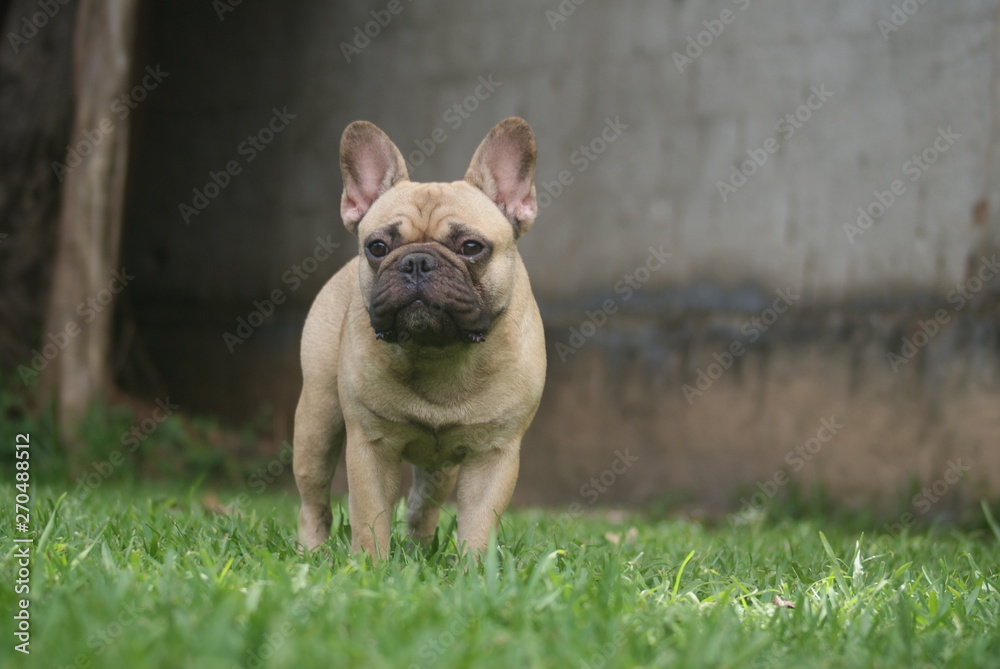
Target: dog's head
x=438 y=260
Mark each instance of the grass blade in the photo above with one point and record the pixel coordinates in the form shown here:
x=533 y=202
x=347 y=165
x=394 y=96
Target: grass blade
x=680 y=572
x=990 y=519
x=838 y=572
x=44 y=539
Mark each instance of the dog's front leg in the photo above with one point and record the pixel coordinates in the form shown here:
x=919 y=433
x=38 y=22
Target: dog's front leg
x=485 y=483
x=372 y=483
x=318 y=441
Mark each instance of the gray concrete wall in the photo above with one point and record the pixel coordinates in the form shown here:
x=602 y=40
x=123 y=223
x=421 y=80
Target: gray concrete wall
x=641 y=140
x=657 y=183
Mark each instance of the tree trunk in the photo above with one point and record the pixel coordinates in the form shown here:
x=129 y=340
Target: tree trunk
x=36 y=105
x=93 y=193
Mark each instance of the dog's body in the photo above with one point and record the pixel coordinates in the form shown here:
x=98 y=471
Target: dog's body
x=427 y=348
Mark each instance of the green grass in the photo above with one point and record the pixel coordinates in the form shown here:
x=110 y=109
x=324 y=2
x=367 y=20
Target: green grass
x=142 y=578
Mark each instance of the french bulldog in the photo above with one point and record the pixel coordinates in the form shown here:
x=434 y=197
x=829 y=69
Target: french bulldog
x=427 y=347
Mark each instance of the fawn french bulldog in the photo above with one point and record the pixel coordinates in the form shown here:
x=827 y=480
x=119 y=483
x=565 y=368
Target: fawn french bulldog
x=427 y=347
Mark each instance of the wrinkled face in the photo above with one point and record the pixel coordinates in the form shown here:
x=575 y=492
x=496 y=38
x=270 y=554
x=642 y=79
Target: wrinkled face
x=438 y=260
x=437 y=264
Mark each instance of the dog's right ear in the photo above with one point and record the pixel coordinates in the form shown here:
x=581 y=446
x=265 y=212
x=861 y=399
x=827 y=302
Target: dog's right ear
x=371 y=164
x=503 y=167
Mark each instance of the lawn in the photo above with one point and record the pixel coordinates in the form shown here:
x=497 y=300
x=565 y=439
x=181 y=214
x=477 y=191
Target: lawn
x=139 y=577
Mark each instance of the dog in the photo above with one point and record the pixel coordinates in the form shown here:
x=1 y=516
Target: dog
x=428 y=347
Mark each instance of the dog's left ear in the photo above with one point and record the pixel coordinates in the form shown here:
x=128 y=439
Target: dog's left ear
x=371 y=164
x=503 y=167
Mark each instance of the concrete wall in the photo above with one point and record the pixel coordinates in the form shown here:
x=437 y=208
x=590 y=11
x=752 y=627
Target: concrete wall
x=641 y=140
x=656 y=184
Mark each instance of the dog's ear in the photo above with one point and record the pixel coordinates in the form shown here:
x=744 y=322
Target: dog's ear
x=503 y=167
x=371 y=164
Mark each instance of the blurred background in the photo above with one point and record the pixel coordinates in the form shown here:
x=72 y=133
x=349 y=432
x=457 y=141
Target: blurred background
x=766 y=255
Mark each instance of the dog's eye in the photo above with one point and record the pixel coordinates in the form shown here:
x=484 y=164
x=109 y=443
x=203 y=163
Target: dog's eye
x=378 y=249
x=471 y=248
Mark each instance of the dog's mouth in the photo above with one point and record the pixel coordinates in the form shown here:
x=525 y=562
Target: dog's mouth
x=435 y=305
x=391 y=337
x=425 y=324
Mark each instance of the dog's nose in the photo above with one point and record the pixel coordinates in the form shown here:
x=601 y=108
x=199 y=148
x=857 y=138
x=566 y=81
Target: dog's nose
x=417 y=264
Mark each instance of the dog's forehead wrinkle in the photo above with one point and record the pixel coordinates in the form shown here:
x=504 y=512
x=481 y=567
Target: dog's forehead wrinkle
x=431 y=208
x=436 y=211
x=391 y=230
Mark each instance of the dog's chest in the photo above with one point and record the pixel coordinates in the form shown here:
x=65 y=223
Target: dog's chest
x=443 y=447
